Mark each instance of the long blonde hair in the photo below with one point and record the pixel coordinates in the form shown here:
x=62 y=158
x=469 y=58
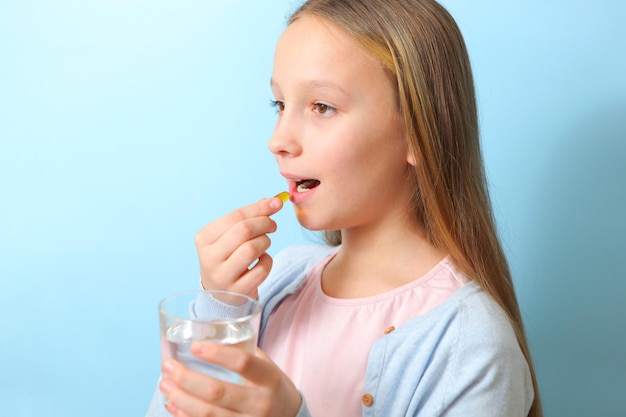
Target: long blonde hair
x=422 y=48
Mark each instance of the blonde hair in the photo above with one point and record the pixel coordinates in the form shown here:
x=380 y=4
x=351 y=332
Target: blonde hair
x=423 y=50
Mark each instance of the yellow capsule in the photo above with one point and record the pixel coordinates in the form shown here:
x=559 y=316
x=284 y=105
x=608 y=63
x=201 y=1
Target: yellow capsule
x=284 y=196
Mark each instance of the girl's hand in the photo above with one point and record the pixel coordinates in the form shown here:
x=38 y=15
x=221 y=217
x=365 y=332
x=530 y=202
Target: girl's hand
x=228 y=246
x=267 y=392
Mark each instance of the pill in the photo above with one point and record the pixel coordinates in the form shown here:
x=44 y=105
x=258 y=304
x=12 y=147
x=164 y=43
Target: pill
x=284 y=196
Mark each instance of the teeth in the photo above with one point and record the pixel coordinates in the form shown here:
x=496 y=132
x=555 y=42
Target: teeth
x=306 y=185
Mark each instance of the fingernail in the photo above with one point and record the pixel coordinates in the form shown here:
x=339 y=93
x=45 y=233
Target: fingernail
x=197 y=348
x=166 y=387
x=172 y=408
x=167 y=367
x=275 y=203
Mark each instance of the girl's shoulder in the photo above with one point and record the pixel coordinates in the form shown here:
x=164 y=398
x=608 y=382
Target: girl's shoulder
x=472 y=313
x=468 y=326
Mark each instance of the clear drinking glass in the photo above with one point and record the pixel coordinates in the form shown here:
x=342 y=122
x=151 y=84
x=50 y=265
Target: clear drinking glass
x=221 y=317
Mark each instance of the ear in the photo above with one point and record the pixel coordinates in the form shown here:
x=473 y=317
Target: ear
x=410 y=158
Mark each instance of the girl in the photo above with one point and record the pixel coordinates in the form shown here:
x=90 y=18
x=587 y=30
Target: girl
x=410 y=309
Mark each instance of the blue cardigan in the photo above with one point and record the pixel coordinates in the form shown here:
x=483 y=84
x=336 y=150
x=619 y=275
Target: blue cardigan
x=460 y=359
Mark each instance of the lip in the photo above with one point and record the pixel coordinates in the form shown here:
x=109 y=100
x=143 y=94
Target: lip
x=294 y=195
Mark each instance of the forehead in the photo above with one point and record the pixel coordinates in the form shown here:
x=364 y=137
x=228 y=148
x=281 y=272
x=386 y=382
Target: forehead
x=313 y=46
x=318 y=31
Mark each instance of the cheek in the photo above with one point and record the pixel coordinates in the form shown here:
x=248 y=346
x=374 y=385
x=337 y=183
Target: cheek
x=347 y=168
x=381 y=155
x=360 y=149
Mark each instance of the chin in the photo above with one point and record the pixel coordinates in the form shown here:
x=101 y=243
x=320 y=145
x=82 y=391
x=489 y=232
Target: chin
x=312 y=223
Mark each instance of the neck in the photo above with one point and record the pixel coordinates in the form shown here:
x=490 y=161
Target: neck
x=374 y=260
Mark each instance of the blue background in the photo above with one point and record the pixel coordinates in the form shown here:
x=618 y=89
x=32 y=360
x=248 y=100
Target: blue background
x=125 y=126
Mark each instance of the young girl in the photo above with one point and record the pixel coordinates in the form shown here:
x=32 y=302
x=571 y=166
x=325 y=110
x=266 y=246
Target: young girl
x=410 y=309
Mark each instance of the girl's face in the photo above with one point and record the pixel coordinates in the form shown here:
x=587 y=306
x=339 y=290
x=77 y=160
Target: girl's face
x=338 y=140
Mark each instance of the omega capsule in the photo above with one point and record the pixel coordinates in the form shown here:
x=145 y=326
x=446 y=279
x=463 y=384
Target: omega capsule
x=284 y=196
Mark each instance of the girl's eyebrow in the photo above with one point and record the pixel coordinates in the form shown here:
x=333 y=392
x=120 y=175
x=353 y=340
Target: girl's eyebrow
x=319 y=85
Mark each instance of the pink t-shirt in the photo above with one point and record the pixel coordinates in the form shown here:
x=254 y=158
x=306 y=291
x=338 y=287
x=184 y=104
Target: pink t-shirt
x=323 y=343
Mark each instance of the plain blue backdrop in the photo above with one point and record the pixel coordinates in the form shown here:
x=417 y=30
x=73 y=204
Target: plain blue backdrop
x=125 y=126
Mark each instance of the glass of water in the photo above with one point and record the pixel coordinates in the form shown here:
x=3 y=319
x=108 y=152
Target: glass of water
x=221 y=317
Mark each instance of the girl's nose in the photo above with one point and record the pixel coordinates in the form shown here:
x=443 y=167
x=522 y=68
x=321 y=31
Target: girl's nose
x=284 y=140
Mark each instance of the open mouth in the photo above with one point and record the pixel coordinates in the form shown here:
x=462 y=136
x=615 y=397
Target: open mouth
x=306 y=185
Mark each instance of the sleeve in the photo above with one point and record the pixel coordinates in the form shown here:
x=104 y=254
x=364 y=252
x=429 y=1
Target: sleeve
x=303 y=411
x=157 y=406
x=490 y=377
x=206 y=305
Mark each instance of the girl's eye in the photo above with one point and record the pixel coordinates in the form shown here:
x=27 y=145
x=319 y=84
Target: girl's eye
x=323 y=108
x=278 y=105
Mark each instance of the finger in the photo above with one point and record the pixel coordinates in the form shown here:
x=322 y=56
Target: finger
x=246 y=267
x=179 y=403
x=246 y=240
x=264 y=207
x=266 y=386
x=232 y=254
x=253 y=368
x=248 y=281
x=196 y=394
x=182 y=404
